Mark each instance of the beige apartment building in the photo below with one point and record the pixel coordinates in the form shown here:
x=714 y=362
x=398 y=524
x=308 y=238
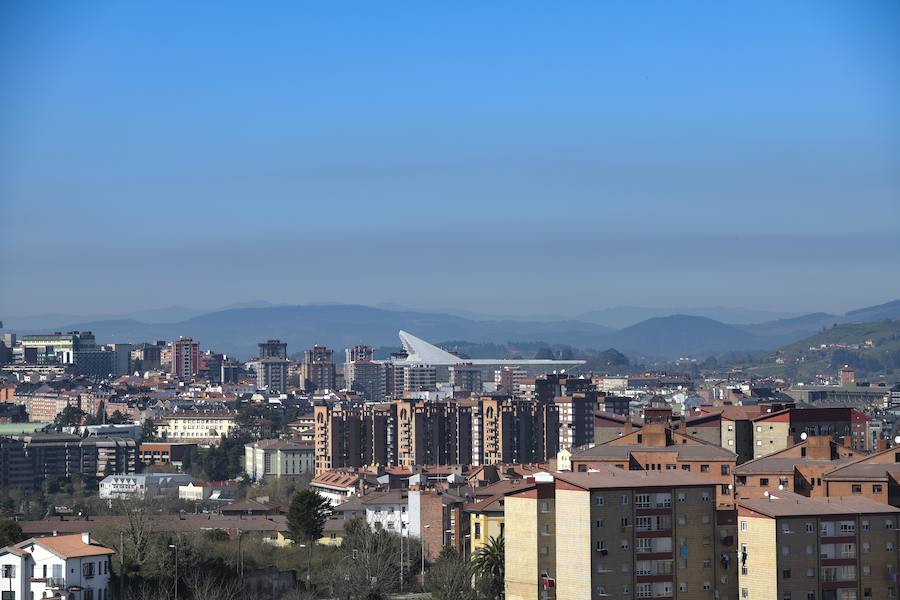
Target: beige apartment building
x=611 y=533
x=199 y=427
x=798 y=548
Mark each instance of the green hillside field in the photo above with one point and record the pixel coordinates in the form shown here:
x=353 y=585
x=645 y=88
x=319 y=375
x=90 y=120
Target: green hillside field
x=873 y=349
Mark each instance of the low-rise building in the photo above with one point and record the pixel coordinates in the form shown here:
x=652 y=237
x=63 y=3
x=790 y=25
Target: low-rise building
x=799 y=468
x=56 y=567
x=279 y=458
x=387 y=510
x=164 y=453
x=201 y=491
x=337 y=486
x=147 y=485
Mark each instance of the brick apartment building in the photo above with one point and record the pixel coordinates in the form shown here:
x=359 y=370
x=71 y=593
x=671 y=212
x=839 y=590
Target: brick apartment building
x=616 y=534
x=798 y=548
x=656 y=447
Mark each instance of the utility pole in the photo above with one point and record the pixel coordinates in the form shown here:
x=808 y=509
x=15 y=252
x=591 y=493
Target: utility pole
x=121 y=564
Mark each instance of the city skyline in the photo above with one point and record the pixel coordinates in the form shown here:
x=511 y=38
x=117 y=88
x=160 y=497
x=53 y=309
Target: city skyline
x=690 y=153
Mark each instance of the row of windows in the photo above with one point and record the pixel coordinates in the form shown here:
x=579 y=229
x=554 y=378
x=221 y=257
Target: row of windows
x=642 y=500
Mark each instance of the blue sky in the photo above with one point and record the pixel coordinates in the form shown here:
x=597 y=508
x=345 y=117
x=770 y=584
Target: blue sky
x=500 y=157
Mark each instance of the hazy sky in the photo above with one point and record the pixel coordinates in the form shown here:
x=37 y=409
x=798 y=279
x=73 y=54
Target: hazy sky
x=501 y=157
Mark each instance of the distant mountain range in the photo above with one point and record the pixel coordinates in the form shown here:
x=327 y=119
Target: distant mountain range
x=236 y=330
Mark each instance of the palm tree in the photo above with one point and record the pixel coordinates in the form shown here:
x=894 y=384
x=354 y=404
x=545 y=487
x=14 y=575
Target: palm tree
x=488 y=567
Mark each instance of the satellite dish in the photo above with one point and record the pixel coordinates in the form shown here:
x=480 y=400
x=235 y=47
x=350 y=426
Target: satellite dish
x=780 y=487
x=766 y=493
x=803 y=436
x=897 y=439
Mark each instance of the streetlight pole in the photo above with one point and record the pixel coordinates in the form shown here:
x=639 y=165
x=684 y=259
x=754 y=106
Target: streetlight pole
x=423 y=556
x=175 y=546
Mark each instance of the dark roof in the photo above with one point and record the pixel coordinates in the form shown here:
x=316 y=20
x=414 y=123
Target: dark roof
x=162 y=523
x=786 y=464
x=379 y=498
x=606 y=476
x=684 y=451
x=788 y=504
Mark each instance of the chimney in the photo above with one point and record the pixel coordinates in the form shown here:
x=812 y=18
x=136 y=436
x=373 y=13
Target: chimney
x=627 y=428
x=86 y=537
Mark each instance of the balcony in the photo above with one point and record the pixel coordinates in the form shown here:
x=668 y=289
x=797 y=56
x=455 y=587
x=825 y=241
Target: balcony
x=54 y=583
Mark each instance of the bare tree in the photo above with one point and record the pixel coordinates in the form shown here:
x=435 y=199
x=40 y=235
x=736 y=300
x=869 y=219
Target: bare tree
x=149 y=591
x=369 y=566
x=204 y=585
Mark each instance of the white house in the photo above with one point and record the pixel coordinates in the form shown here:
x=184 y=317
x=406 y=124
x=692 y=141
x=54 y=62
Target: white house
x=142 y=486
x=387 y=510
x=71 y=567
x=199 y=491
x=336 y=486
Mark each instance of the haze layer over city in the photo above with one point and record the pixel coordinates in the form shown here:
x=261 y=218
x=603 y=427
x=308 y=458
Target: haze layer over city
x=478 y=301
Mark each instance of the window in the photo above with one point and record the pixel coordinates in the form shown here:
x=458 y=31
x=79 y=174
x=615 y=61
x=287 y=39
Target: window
x=786 y=574
x=624 y=522
x=545 y=550
x=683 y=586
x=743 y=525
x=865 y=525
x=707 y=563
x=763 y=481
x=876 y=488
x=545 y=506
x=809 y=528
x=624 y=500
x=624 y=544
x=626 y=590
x=706 y=519
x=745 y=593
x=681 y=497
x=682 y=520
x=598 y=501
x=642 y=501
x=705 y=497
x=601 y=545
x=889 y=524
x=477 y=532
x=599 y=523
x=810 y=572
x=9 y=571
x=726 y=470
x=685 y=467
x=704 y=468
x=856 y=488
x=785 y=596
x=866 y=570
